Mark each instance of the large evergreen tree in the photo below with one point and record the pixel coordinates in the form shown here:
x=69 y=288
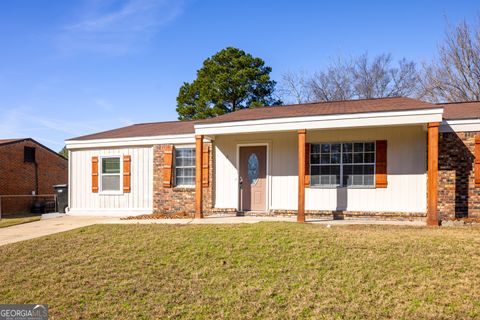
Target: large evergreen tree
x=228 y=81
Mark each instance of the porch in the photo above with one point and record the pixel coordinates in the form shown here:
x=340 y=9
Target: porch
x=402 y=180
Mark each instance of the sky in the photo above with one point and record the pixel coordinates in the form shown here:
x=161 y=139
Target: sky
x=69 y=68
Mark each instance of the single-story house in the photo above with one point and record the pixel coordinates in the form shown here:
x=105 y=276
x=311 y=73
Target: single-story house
x=27 y=167
x=389 y=157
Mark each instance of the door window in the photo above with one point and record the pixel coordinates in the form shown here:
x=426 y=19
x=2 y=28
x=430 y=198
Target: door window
x=253 y=169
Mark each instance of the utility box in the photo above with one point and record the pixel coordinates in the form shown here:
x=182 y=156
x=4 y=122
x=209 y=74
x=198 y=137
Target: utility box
x=61 y=190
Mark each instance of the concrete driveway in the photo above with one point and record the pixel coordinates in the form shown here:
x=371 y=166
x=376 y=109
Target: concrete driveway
x=46 y=227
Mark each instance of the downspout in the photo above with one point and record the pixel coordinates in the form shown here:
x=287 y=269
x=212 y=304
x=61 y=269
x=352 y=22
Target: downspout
x=36 y=177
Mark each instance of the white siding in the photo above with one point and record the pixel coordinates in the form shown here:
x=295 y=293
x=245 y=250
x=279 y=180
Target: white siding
x=138 y=201
x=406 y=190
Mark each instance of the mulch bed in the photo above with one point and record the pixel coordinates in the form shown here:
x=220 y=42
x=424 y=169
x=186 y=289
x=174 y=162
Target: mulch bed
x=181 y=215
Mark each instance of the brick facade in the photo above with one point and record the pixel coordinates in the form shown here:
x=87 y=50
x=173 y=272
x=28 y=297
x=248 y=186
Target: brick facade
x=457 y=195
x=18 y=177
x=178 y=200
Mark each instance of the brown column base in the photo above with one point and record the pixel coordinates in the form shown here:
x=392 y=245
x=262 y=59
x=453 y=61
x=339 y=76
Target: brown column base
x=433 y=222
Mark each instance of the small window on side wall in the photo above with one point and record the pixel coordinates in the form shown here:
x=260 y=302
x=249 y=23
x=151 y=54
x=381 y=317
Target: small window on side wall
x=28 y=154
x=184 y=167
x=110 y=174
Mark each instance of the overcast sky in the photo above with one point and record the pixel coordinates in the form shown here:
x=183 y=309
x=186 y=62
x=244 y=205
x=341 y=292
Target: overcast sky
x=70 y=68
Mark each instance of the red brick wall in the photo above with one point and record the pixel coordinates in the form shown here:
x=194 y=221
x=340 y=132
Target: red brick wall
x=457 y=195
x=178 y=200
x=18 y=177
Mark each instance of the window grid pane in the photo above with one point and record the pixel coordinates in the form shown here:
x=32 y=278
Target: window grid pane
x=110 y=174
x=342 y=164
x=111 y=165
x=185 y=167
x=110 y=182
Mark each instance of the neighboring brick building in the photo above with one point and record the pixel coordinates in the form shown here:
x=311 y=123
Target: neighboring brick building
x=27 y=166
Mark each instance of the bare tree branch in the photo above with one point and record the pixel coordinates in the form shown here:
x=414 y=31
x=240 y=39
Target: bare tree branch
x=455 y=75
x=354 y=78
x=334 y=83
x=293 y=85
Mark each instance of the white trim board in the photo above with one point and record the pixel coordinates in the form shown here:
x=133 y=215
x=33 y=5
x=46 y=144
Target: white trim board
x=323 y=122
x=133 y=141
x=460 y=125
x=70 y=165
x=109 y=212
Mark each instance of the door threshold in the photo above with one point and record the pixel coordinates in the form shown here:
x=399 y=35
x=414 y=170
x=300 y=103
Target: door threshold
x=252 y=213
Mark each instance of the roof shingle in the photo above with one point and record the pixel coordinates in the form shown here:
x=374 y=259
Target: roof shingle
x=298 y=110
x=323 y=108
x=143 y=130
x=461 y=110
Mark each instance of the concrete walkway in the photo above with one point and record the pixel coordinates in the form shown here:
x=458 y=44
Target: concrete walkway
x=53 y=225
x=45 y=227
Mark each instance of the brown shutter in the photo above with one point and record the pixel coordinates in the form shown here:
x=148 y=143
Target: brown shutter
x=381 y=164
x=126 y=173
x=477 y=161
x=205 y=166
x=167 y=166
x=95 y=174
x=307 y=165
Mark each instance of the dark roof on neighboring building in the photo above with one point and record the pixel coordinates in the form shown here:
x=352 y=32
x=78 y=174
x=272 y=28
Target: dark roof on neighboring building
x=461 y=110
x=143 y=130
x=324 y=108
x=7 y=141
x=4 y=142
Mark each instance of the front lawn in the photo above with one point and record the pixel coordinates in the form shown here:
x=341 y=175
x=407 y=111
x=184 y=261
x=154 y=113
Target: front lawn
x=11 y=220
x=265 y=270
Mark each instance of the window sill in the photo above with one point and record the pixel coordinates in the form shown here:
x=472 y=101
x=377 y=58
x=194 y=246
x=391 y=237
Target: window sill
x=338 y=187
x=184 y=188
x=110 y=193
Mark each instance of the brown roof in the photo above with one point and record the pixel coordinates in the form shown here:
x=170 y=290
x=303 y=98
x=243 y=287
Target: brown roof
x=461 y=110
x=324 y=108
x=296 y=110
x=143 y=130
x=4 y=142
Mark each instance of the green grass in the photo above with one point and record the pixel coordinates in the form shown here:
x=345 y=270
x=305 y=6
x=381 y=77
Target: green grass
x=12 y=220
x=266 y=270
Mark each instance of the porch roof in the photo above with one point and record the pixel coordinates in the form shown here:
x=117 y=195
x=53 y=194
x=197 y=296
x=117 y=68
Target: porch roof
x=397 y=111
x=323 y=108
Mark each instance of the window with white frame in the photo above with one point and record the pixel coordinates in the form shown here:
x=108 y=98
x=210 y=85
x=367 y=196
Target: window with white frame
x=110 y=174
x=347 y=164
x=184 y=167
